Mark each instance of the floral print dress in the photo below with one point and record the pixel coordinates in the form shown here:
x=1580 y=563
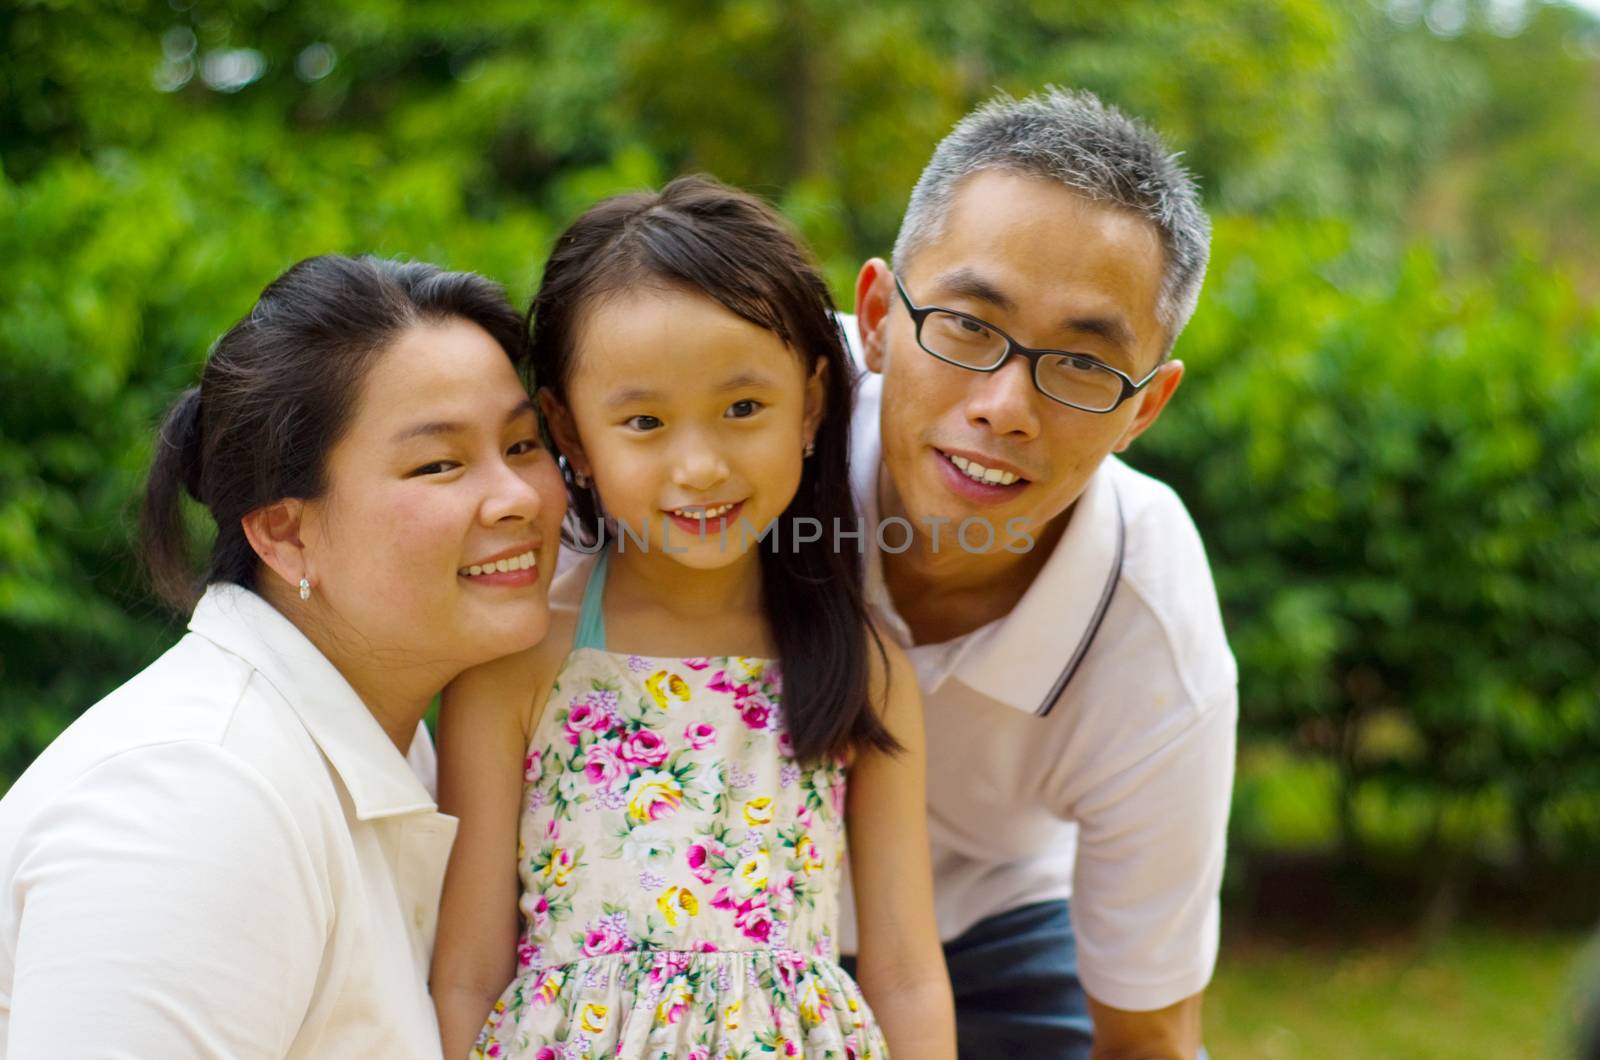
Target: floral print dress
x=680 y=871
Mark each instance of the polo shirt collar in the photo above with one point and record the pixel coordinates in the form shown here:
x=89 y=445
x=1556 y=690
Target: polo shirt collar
x=380 y=780
x=1018 y=660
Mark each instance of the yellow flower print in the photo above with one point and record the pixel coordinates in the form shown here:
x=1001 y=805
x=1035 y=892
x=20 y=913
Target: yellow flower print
x=652 y=795
x=593 y=1019
x=811 y=859
x=549 y=985
x=750 y=875
x=664 y=687
x=676 y=899
x=559 y=867
x=730 y=1018
x=814 y=1001
x=749 y=669
x=758 y=812
x=674 y=1003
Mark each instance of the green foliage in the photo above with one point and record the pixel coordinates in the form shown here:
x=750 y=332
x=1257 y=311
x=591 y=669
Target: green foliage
x=1386 y=430
x=1398 y=479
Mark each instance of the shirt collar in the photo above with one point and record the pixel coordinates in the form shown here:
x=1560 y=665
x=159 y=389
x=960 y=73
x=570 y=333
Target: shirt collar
x=380 y=780
x=1017 y=660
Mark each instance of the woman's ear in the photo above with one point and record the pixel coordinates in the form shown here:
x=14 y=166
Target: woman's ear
x=277 y=533
x=563 y=430
x=816 y=400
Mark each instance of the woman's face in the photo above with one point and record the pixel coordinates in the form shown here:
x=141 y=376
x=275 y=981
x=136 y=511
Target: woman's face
x=439 y=482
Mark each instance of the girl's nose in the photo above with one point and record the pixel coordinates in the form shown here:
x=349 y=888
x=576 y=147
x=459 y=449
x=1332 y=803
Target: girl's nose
x=700 y=470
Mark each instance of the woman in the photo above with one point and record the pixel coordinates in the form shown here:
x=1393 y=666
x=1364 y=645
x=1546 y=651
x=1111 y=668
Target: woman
x=230 y=855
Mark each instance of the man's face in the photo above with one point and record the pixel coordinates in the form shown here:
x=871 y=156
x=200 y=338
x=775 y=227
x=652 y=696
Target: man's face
x=1053 y=270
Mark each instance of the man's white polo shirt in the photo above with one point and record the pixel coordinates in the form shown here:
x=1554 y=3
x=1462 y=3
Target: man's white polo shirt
x=1082 y=746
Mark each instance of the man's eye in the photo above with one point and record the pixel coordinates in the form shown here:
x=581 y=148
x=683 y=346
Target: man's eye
x=741 y=409
x=643 y=423
x=974 y=327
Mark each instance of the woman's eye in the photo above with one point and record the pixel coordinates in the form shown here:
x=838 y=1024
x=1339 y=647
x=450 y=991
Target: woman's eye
x=643 y=423
x=438 y=467
x=527 y=445
x=741 y=409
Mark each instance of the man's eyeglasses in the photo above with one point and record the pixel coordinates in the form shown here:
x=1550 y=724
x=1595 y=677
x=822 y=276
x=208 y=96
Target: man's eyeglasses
x=1073 y=379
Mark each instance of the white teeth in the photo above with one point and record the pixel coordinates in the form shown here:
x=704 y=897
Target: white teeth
x=526 y=561
x=978 y=473
x=703 y=513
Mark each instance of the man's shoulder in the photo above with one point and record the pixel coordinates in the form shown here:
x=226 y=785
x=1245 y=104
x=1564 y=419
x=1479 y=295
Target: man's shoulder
x=1169 y=610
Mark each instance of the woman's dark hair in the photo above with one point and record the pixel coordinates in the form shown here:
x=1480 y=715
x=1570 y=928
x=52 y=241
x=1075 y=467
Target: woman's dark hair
x=704 y=237
x=278 y=392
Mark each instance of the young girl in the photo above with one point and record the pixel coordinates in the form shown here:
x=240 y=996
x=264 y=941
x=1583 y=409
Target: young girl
x=671 y=772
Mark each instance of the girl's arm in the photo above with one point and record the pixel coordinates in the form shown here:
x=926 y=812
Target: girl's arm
x=900 y=964
x=484 y=723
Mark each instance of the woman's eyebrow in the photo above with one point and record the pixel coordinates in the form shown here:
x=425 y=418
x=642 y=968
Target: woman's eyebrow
x=434 y=428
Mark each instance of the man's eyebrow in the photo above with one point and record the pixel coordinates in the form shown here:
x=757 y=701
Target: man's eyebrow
x=436 y=428
x=1113 y=329
x=970 y=284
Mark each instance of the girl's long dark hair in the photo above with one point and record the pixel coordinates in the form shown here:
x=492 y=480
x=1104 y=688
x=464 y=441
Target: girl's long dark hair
x=278 y=391
x=703 y=236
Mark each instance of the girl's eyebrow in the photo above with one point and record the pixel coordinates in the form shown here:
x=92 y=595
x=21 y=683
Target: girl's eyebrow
x=632 y=395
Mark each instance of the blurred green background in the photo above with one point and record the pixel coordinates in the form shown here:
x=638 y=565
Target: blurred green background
x=1388 y=433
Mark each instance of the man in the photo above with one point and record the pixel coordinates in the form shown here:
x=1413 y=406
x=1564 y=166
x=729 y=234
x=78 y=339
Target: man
x=1081 y=698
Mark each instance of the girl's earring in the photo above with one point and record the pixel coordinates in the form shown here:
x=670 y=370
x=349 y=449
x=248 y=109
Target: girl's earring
x=580 y=479
x=811 y=448
x=305 y=588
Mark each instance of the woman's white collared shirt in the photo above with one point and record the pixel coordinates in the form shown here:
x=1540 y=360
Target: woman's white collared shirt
x=226 y=857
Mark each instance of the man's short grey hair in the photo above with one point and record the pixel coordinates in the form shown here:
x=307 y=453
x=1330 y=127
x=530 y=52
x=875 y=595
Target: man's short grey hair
x=1096 y=150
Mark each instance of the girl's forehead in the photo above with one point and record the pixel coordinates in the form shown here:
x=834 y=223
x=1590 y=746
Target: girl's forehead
x=679 y=343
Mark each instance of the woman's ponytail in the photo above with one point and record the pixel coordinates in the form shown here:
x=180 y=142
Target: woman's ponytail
x=174 y=470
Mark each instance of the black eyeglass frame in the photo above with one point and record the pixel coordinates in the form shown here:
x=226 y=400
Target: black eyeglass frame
x=1013 y=347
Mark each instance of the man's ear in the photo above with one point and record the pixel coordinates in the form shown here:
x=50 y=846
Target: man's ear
x=874 y=299
x=1152 y=400
x=816 y=400
x=276 y=532
x=563 y=430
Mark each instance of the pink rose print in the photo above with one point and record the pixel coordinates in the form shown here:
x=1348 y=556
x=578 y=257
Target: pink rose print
x=754 y=919
x=698 y=663
x=644 y=749
x=532 y=769
x=700 y=735
x=699 y=858
x=756 y=712
x=604 y=765
x=604 y=937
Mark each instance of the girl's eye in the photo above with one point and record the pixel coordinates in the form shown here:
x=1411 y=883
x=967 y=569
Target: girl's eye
x=741 y=409
x=527 y=445
x=643 y=423
x=438 y=467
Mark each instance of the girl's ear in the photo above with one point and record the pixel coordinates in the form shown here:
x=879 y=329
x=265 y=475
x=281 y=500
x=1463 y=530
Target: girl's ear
x=816 y=400
x=563 y=430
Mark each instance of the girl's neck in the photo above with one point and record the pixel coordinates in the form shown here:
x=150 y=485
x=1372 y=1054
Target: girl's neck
x=396 y=690
x=639 y=579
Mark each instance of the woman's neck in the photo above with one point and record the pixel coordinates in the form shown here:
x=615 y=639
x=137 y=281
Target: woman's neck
x=395 y=689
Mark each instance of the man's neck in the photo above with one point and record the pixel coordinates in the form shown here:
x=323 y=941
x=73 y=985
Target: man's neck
x=944 y=591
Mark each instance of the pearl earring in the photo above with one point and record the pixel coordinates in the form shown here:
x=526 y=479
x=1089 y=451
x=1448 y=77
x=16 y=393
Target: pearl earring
x=811 y=448
x=579 y=479
x=305 y=588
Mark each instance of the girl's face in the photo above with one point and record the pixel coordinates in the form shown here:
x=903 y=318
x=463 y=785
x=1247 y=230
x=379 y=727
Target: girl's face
x=439 y=474
x=691 y=420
